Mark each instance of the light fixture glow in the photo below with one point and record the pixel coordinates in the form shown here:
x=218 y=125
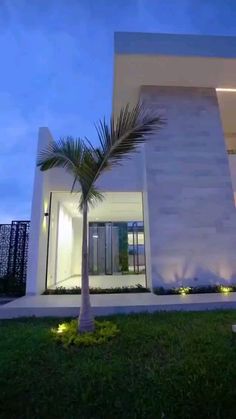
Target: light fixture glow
x=63 y=327
x=184 y=290
x=226 y=89
x=225 y=290
x=95 y=236
x=45 y=206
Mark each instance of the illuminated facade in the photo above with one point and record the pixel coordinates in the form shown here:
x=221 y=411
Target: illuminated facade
x=169 y=217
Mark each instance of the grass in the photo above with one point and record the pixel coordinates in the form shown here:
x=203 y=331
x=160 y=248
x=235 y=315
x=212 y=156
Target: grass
x=163 y=365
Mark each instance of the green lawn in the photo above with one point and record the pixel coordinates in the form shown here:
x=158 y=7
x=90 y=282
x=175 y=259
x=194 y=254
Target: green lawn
x=165 y=365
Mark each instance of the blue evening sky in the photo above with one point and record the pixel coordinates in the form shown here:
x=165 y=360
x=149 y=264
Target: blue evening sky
x=57 y=68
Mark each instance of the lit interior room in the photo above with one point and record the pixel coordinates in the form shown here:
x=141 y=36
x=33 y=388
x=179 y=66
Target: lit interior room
x=116 y=241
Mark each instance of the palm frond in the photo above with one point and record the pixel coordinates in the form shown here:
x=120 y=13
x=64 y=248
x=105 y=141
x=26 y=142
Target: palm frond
x=66 y=153
x=93 y=197
x=124 y=135
x=131 y=128
x=72 y=155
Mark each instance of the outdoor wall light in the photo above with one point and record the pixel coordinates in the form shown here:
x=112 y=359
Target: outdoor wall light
x=45 y=209
x=46 y=214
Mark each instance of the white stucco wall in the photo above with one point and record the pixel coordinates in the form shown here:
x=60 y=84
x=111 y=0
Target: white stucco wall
x=39 y=224
x=77 y=246
x=64 y=244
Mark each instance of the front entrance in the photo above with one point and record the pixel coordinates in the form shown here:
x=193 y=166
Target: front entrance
x=116 y=241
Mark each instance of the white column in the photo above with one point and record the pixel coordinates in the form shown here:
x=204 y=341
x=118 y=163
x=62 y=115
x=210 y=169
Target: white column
x=36 y=273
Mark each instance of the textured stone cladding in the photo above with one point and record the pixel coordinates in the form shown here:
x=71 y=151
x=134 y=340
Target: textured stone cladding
x=192 y=216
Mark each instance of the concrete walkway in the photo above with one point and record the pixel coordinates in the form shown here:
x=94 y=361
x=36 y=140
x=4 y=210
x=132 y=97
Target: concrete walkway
x=68 y=305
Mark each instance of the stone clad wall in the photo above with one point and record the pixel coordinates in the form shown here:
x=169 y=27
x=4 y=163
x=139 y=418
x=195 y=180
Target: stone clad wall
x=192 y=217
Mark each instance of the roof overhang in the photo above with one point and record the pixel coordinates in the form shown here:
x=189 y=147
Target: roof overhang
x=176 y=60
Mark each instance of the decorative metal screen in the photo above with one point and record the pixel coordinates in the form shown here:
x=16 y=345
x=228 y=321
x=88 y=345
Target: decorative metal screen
x=18 y=249
x=5 y=232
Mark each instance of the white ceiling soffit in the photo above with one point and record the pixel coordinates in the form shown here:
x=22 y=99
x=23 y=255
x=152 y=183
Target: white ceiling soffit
x=117 y=206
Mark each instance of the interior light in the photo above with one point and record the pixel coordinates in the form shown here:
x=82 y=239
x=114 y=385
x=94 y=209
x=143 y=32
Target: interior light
x=226 y=89
x=95 y=236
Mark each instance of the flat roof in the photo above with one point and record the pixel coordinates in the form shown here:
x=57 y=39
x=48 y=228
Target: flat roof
x=175 y=45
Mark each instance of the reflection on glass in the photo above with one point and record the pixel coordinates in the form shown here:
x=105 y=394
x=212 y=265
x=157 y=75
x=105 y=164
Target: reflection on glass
x=116 y=248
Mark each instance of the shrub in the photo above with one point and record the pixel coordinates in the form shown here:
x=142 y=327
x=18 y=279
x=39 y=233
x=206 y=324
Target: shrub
x=11 y=286
x=67 y=334
x=195 y=290
x=116 y=290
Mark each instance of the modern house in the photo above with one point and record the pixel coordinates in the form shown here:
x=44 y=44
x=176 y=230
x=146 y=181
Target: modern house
x=169 y=216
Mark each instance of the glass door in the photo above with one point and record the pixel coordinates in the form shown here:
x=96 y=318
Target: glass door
x=101 y=243
x=108 y=249
x=136 y=247
x=116 y=248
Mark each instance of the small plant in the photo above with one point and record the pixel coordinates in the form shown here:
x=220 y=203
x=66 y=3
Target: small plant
x=67 y=334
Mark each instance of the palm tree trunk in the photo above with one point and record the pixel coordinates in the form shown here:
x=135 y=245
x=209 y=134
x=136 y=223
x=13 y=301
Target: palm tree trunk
x=86 y=319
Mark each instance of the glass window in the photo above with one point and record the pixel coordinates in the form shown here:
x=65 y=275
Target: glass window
x=115 y=239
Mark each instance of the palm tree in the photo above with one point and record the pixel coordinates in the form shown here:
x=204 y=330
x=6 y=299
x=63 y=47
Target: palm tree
x=117 y=139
